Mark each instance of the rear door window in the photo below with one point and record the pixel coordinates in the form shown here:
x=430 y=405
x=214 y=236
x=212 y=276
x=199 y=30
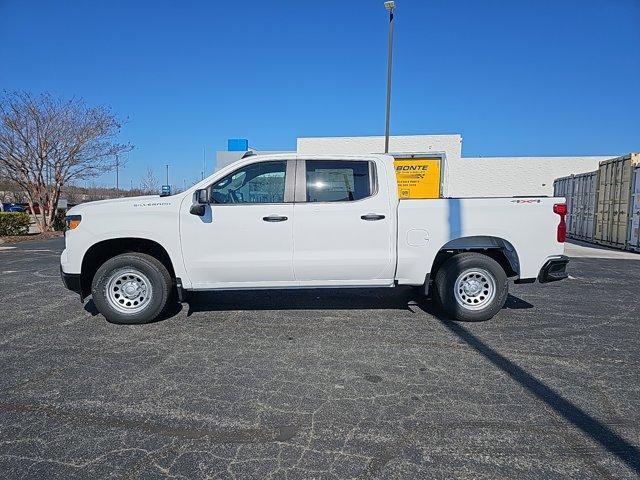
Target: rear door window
x=339 y=180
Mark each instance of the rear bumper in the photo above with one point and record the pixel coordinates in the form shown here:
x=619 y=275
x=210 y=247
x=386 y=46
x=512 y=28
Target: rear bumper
x=554 y=269
x=71 y=281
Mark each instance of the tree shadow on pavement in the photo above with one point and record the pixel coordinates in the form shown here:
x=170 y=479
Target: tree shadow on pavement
x=590 y=426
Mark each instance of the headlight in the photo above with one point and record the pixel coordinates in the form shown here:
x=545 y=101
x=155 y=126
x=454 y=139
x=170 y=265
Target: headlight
x=72 y=221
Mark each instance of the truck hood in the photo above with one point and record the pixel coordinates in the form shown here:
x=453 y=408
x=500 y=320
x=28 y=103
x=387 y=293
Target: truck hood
x=146 y=200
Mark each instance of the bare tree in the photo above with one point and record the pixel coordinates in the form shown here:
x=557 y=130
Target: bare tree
x=9 y=191
x=149 y=183
x=46 y=142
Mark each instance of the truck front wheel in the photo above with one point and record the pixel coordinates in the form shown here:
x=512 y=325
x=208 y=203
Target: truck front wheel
x=471 y=287
x=131 y=288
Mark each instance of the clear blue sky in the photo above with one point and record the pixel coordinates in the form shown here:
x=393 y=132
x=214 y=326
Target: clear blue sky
x=514 y=77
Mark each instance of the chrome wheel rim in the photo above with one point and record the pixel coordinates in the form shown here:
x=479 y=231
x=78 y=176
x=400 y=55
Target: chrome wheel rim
x=129 y=290
x=475 y=288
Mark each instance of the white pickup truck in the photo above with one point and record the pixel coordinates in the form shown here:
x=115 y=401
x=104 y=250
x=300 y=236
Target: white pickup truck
x=308 y=221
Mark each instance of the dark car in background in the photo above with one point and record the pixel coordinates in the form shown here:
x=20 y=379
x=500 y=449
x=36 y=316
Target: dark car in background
x=12 y=207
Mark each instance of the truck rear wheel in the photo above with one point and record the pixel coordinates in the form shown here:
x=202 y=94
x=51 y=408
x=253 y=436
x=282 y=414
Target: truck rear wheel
x=131 y=288
x=471 y=287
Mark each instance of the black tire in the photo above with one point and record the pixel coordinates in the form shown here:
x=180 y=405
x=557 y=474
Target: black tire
x=462 y=306
x=157 y=275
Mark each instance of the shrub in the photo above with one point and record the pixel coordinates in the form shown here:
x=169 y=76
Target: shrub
x=58 y=221
x=14 y=223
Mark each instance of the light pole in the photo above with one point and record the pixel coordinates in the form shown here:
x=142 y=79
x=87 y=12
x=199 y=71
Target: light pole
x=204 y=163
x=167 y=182
x=390 y=6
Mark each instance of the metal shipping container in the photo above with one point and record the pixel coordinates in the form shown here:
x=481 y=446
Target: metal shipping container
x=613 y=205
x=580 y=193
x=583 y=220
x=634 y=221
x=563 y=187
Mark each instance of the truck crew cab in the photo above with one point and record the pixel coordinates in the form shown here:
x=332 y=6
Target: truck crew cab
x=308 y=221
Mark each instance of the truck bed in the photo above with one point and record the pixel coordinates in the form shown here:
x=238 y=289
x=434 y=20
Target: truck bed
x=525 y=225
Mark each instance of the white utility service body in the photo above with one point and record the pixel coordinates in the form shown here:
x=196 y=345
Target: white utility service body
x=311 y=221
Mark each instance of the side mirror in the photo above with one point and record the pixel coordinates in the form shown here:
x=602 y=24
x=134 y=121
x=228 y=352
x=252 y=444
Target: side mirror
x=197 y=209
x=202 y=196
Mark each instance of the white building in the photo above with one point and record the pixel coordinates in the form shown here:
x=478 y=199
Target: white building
x=462 y=176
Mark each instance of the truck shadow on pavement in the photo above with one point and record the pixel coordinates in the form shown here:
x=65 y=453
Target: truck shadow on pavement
x=171 y=311
x=400 y=298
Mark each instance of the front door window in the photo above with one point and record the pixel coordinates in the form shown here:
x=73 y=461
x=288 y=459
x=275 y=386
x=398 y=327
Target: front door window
x=262 y=182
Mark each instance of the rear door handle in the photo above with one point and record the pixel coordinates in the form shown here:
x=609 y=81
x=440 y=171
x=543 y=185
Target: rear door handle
x=372 y=217
x=275 y=218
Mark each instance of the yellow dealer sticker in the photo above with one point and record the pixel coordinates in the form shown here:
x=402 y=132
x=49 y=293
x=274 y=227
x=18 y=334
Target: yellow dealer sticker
x=418 y=177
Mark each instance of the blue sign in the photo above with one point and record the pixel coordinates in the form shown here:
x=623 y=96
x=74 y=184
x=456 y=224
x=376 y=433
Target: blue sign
x=166 y=190
x=237 y=145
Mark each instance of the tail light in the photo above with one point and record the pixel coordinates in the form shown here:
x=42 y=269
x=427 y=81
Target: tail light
x=561 y=233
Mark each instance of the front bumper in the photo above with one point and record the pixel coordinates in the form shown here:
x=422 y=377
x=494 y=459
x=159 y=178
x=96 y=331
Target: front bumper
x=554 y=269
x=71 y=281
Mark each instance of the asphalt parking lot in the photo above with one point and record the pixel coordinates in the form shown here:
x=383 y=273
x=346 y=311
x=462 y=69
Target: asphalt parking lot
x=322 y=383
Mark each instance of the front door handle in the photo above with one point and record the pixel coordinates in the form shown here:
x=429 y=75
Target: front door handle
x=275 y=218
x=372 y=217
